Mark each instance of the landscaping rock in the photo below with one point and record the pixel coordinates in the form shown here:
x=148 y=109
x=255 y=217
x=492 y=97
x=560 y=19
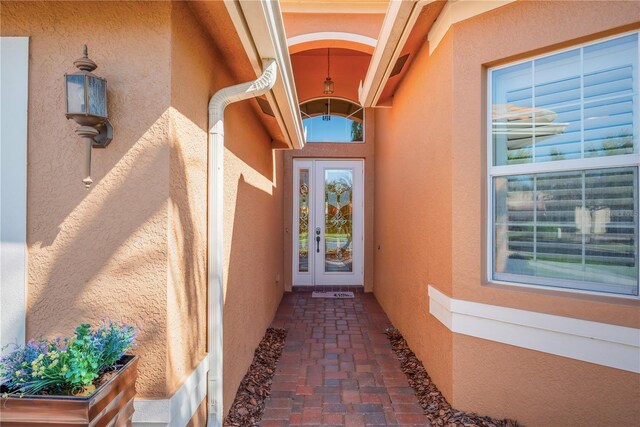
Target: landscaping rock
x=435 y=406
x=248 y=406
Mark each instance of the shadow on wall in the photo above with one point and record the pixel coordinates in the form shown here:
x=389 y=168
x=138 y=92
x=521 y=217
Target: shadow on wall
x=108 y=260
x=252 y=294
x=242 y=128
x=188 y=249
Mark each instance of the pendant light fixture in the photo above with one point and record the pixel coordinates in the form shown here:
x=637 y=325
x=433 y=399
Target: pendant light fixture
x=328 y=83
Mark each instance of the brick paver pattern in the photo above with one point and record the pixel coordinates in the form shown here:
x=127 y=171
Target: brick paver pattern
x=337 y=367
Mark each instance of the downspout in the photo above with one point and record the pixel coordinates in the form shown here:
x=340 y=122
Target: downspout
x=215 y=257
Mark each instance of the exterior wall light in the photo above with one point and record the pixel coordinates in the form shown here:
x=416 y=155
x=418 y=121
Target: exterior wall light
x=87 y=105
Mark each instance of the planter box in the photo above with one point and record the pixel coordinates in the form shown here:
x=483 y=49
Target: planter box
x=111 y=405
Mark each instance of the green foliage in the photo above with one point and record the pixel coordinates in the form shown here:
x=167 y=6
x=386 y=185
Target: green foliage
x=66 y=366
x=356 y=131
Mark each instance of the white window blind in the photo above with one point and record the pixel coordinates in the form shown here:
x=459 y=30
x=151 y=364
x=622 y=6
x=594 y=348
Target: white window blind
x=563 y=169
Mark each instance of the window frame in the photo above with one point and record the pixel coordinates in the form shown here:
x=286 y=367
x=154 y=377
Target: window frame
x=364 y=118
x=582 y=164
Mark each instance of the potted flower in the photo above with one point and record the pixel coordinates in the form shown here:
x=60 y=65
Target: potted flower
x=83 y=380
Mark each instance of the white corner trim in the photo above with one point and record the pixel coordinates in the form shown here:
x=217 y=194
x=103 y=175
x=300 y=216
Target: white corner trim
x=600 y=343
x=456 y=11
x=180 y=408
x=14 y=92
x=331 y=35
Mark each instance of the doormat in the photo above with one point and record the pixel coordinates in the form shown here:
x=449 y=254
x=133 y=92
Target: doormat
x=317 y=294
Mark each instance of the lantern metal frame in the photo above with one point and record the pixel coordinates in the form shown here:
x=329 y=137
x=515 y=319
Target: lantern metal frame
x=95 y=129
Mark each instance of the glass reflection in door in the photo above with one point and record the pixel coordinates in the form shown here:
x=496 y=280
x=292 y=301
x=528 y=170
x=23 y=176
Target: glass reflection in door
x=338 y=213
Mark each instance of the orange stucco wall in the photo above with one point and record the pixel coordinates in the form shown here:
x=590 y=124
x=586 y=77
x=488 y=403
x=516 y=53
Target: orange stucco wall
x=496 y=29
x=433 y=139
x=413 y=207
x=194 y=76
x=253 y=241
x=101 y=253
x=134 y=247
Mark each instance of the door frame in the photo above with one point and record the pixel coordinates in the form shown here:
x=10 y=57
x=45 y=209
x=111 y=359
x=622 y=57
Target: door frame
x=308 y=278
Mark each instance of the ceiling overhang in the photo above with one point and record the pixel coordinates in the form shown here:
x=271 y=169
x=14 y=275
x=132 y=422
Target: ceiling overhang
x=406 y=26
x=335 y=39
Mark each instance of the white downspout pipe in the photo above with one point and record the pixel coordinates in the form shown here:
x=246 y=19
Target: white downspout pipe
x=215 y=256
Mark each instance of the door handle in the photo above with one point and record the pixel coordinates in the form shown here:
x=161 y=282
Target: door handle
x=318 y=239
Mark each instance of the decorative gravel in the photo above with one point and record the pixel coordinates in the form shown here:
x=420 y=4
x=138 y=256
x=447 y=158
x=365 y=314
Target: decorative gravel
x=248 y=406
x=435 y=406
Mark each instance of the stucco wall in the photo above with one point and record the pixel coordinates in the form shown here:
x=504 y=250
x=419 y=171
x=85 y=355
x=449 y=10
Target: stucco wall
x=100 y=253
x=253 y=241
x=133 y=247
x=496 y=30
x=413 y=207
x=194 y=72
x=447 y=230
x=615 y=400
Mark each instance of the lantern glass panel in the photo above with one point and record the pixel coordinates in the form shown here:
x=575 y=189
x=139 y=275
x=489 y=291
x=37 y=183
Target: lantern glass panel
x=97 y=96
x=75 y=94
x=328 y=86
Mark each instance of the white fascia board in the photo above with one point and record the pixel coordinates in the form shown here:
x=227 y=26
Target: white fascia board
x=393 y=35
x=261 y=30
x=459 y=10
x=595 y=342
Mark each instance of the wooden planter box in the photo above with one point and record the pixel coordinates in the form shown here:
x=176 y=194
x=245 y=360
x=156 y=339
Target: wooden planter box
x=111 y=405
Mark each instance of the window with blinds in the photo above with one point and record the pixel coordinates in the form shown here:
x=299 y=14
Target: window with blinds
x=563 y=169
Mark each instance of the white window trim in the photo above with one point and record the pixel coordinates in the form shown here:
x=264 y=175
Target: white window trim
x=628 y=160
x=14 y=75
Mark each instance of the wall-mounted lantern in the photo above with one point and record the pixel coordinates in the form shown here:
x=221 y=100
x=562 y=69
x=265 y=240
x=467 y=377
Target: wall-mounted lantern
x=87 y=105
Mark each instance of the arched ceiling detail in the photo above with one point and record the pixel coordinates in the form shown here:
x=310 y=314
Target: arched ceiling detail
x=334 y=39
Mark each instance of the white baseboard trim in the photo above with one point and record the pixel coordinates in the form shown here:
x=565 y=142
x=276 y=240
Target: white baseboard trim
x=180 y=408
x=600 y=343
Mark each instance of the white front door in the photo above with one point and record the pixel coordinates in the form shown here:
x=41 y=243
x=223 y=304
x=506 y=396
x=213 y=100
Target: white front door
x=328 y=222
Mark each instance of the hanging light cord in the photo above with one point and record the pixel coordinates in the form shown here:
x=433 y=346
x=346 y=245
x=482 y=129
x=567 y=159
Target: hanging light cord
x=328 y=62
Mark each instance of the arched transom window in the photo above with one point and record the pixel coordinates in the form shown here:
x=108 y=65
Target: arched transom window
x=332 y=120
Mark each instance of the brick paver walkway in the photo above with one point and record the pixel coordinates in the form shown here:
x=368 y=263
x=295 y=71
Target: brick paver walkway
x=337 y=367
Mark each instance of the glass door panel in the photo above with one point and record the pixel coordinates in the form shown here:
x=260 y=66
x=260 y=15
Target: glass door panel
x=338 y=223
x=303 y=221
